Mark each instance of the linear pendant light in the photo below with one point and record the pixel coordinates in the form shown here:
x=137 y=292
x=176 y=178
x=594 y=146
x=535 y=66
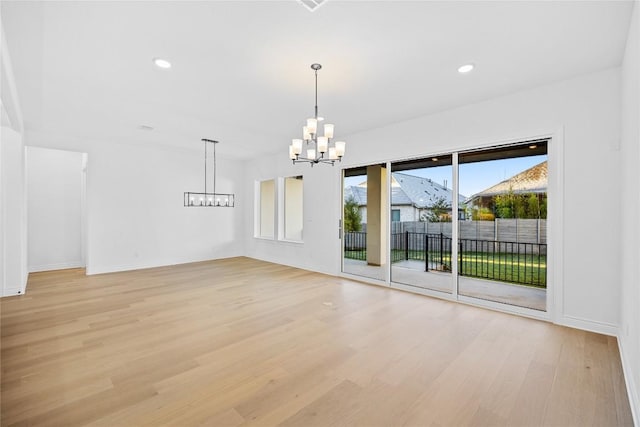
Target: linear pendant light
x=206 y=199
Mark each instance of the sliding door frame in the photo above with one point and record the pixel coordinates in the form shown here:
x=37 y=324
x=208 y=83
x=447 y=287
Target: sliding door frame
x=555 y=233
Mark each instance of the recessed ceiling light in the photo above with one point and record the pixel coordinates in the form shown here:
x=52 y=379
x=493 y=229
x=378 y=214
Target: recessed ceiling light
x=466 y=68
x=532 y=146
x=434 y=159
x=162 y=63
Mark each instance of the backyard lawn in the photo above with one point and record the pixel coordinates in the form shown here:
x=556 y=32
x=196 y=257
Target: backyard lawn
x=528 y=270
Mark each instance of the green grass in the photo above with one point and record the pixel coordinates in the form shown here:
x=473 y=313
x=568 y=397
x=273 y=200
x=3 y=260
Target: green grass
x=529 y=270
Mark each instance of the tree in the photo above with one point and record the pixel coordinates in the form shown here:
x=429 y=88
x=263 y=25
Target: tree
x=352 y=215
x=482 y=214
x=438 y=211
x=529 y=205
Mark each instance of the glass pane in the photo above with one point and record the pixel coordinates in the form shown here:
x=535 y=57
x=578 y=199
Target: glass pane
x=364 y=222
x=421 y=236
x=502 y=239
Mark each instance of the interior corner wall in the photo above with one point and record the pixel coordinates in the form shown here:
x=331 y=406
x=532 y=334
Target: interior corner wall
x=13 y=213
x=629 y=334
x=55 y=211
x=585 y=108
x=320 y=248
x=135 y=213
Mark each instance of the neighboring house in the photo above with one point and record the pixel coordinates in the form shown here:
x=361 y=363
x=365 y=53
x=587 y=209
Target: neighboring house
x=533 y=180
x=411 y=197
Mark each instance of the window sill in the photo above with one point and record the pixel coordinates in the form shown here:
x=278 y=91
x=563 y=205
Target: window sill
x=269 y=239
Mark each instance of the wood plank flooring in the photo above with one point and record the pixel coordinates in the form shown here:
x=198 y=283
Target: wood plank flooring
x=240 y=342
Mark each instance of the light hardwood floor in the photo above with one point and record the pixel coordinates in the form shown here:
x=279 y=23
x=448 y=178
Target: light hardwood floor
x=243 y=342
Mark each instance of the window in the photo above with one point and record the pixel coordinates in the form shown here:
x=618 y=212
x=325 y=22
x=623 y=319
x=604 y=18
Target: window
x=278 y=209
x=293 y=208
x=395 y=215
x=266 y=220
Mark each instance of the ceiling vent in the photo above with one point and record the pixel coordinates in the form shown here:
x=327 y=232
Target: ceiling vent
x=312 y=5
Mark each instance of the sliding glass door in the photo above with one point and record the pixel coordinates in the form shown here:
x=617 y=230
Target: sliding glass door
x=364 y=222
x=468 y=225
x=503 y=240
x=421 y=218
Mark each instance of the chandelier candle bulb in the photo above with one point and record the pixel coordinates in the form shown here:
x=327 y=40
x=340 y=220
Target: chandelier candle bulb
x=297 y=146
x=292 y=155
x=305 y=133
x=328 y=131
x=311 y=153
x=332 y=153
x=312 y=126
x=322 y=144
x=340 y=148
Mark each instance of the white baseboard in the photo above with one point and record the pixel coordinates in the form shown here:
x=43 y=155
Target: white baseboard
x=141 y=266
x=12 y=292
x=57 y=266
x=632 y=389
x=589 y=325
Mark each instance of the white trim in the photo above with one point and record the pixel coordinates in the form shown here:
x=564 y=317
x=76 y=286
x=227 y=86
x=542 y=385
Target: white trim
x=57 y=266
x=555 y=230
x=455 y=224
x=296 y=242
x=12 y=292
x=576 y=322
x=387 y=211
x=629 y=381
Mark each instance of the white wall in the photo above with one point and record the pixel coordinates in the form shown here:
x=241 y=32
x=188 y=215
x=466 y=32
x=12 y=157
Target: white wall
x=13 y=265
x=135 y=212
x=629 y=334
x=54 y=200
x=321 y=206
x=13 y=207
x=586 y=111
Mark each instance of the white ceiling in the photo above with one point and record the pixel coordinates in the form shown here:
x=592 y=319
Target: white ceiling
x=241 y=69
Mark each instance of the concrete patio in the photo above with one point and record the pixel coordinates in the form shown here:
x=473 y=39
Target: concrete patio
x=412 y=273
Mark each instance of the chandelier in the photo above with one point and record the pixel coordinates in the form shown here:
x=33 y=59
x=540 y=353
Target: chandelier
x=206 y=199
x=319 y=149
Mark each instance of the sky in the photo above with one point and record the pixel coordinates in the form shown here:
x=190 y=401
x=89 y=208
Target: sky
x=474 y=177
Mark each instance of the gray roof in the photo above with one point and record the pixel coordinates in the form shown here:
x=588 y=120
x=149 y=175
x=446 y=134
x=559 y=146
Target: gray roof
x=532 y=180
x=412 y=190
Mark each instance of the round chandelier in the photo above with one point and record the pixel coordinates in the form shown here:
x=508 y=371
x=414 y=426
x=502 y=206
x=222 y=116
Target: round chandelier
x=318 y=149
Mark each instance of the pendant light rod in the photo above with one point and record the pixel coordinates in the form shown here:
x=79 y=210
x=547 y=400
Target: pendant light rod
x=316 y=67
x=214 y=142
